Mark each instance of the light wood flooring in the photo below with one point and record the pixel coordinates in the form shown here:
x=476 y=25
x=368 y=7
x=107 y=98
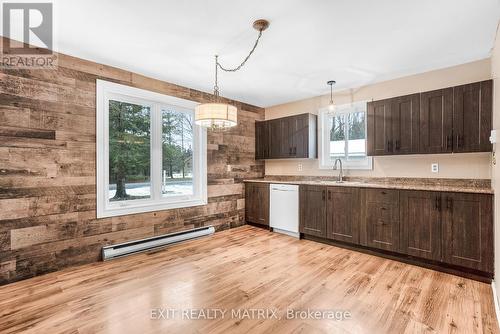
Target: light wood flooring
x=243 y=269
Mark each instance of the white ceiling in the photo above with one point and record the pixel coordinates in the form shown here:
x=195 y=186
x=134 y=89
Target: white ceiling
x=355 y=42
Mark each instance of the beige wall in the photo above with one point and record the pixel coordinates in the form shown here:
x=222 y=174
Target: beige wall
x=469 y=165
x=495 y=72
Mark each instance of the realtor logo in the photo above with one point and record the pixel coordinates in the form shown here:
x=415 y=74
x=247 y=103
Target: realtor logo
x=28 y=35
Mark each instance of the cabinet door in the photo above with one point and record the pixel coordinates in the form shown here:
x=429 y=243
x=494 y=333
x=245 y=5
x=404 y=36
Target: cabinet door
x=379 y=128
x=421 y=224
x=405 y=124
x=262 y=203
x=436 y=115
x=300 y=136
x=313 y=210
x=275 y=138
x=251 y=208
x=343 y=214
x=468 y=230
x=472 y=113
x=261 y=140
x=380 y=219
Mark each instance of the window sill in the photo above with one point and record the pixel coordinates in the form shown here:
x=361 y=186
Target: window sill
x=133 y=208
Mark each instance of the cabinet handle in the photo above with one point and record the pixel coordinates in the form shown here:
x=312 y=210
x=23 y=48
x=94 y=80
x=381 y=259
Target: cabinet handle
x=460 y=141
x=329 y=195
x=449 y=203
x=389 y=146
x=323 y=195
x=295 y=150
x=398 y=145
x=437 y=203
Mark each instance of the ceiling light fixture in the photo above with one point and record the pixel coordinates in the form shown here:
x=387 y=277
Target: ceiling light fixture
x=331 y=106
x=219 y=115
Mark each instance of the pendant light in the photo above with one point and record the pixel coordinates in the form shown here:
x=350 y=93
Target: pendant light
x=219 y=115
x=331 y=106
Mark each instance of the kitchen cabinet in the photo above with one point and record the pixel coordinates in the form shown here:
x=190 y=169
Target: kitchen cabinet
x=436 y=119
x=257 y=203
x=421 y=224
x=261 y=140
x=455 y=119
x=468 y=230
x=380 y=219
x=448 y=228
x=312 y=210
x=379 y=131
x=472 y=114
x=287 y=137
x=405 y=124
x=343 y=214
x=393 y=125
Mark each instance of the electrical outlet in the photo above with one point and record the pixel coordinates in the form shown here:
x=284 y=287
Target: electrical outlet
x=299 y=167
x=435 y=168
x=228 y=168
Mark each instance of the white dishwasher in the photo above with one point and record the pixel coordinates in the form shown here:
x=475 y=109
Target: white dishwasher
x=284 y=209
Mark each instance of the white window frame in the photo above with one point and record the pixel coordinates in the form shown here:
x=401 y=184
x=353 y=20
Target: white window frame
x=106 y=91
x=324 y=138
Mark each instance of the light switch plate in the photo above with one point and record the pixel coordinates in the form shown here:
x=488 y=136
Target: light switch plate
x=435 y=168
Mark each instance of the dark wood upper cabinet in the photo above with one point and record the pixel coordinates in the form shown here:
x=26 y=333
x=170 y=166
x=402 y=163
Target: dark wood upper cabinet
x=379 y=128
x=421 y=224
x=261 y=140
x=312 y=210
x=472 y=114
x=436 y=119
x=455 y=119
x=287 y=137
x=468 y=230
x=393 y=126
x=405 y=124
x=380 y=219
x=343 y=217
x=275 y=136
x=257 y=203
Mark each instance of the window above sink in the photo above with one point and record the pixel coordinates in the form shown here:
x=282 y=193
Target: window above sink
x=342 y=135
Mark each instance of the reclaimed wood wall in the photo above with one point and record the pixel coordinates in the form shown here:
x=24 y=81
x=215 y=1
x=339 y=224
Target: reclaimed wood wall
x=48 y=174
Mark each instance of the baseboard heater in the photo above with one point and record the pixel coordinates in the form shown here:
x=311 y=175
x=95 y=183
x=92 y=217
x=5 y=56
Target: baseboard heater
x=138 y=246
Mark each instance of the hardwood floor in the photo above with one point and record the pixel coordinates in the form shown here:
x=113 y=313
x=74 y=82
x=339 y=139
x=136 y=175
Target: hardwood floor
x=247 y=268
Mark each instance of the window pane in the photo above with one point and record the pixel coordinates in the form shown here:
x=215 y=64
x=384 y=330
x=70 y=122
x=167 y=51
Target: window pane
x=129 y=151
x=177 y=141
x=356 y=133
x=337 y=135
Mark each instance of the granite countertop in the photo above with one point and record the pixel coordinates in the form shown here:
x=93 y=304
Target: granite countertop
x=478 y=186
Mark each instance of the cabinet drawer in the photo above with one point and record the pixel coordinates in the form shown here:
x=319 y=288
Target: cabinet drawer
x=382 y=196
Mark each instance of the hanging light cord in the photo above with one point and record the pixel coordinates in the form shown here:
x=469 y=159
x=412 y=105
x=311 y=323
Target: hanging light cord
x=219 y=65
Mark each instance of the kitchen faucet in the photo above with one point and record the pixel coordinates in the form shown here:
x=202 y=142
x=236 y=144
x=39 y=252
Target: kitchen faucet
x=341 y=172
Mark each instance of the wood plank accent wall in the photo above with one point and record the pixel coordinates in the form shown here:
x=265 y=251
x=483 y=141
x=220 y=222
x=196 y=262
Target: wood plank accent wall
x=48 y=173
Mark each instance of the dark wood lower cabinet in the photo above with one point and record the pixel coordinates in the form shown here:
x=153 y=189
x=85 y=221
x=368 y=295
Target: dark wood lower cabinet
x=257 y=203
x=421 y=224
x=380 y=219
x=312 y=210
x=343 y=214
x=468 y=230
x=453 y=231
